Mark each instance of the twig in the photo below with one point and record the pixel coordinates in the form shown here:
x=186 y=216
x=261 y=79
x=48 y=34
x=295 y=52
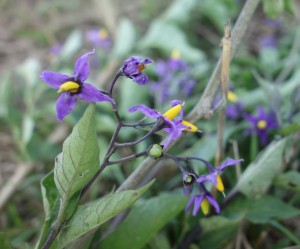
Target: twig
x=10 y=187
x=204 y=104
x=236 y=156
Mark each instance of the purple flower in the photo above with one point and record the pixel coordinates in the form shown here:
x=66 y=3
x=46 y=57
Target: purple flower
x=261 y=123
x=215 y=171
x=172 y=126
x=133 y=67
x=202 y=201
x=73 y=87
x=99 y=38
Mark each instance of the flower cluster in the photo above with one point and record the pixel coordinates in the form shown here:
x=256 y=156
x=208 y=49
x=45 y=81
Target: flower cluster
x=261 y=123
x=203 y=198
x=171 y=121
x=174 y=79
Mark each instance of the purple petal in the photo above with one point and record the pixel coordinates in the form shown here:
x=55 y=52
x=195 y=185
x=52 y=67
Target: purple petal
x=82 y=67
x=145 y=110
x=147 y=61
x=228 y=162
x=64 y=105
x=199 y=199
x=174 y=130
x=213 y=202
x=54 y=79
x=190 y=203
x=141 y=79
x=175 y=102
x=90 y=93
x=210 y=177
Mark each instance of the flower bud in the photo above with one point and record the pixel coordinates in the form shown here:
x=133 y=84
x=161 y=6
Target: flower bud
x=155 y=151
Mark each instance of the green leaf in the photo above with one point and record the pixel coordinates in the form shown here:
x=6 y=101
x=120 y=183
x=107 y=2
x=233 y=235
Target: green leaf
x=92 y=215
x=158 y=37
x=125 y=40
x=180 y=11
x=72 y=45
x=273 y=8
x=145 y=219
x=259 y=175
x=79 y=161
x=289 y=180
x=260 y=211
x=4 y=242
x=51 y=204
x=50 y=195
x=217 y=232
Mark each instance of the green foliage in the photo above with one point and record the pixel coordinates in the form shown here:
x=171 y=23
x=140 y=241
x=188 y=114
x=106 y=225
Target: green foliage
x=4 y=242
x=126 y=38
x=71 y=45
x=79 y=161
x=158 y=37
x=92 y=215
x=259 y=175
x=145 y=219
x=289 y=180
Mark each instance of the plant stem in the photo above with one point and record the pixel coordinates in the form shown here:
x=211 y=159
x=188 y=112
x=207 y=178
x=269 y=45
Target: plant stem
x=125 y=159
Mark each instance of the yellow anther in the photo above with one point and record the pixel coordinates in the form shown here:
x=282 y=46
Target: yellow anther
x=69 y=86
x=103 y=34
x=173 y=112
x=175 y=54
x=205 y=206
x=232 y=97
x=220 y=185
x=192 y=128
x=261 y=124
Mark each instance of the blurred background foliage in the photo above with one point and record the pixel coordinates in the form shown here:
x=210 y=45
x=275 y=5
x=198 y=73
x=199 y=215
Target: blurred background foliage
x=38 y=35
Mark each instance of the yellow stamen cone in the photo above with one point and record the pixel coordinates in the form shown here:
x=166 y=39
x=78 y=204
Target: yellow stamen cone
x=69 y=86
x=232 y=97
x=175 y=54
x=205 y=207
x=220 y=185
x=103 y=34
x=261 y=124
x=173 y=112
x=193 y=128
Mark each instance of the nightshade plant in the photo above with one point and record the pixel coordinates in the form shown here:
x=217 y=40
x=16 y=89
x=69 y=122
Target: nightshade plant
x=78 y=166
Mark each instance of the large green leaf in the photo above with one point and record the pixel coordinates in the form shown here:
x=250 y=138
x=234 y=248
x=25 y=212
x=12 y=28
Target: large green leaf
x=145 y=220
x=259 y=175
x=4 y=242
x=92 y=215
x=79 y=161
x=260 y=210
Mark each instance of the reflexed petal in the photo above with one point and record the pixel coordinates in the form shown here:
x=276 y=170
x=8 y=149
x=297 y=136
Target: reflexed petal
x=197 y=204
x=82 y=67
x=64 y=105
x=90 y=93
x=175 y=102
x=54 y=79
x=174 y=130
x=147 y=61
x=212 y=177
x=145 y=110
x=141 y=79
x=190 y=203
x=228 y=162
x=213 y=202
